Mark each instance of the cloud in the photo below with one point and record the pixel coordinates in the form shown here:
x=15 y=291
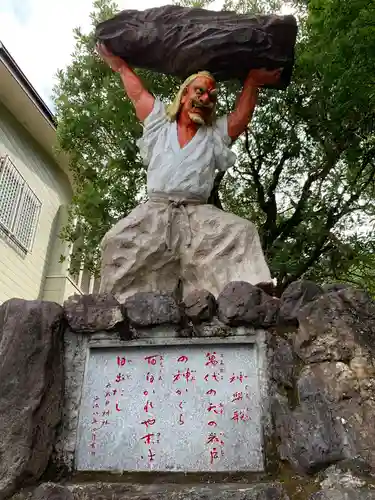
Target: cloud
x=21 y=9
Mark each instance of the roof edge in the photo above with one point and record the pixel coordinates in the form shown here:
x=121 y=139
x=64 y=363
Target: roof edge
x=16 y=70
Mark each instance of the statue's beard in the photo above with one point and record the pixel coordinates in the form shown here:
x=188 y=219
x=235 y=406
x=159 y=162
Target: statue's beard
x=196 y=118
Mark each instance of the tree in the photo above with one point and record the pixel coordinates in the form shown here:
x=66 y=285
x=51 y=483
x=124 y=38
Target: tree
x=97 y=127
x=305 y=168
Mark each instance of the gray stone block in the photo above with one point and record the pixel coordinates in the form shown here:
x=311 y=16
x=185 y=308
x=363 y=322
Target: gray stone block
x=200 y=305
x=239 y=303
x=296 y=295
x=152 y=308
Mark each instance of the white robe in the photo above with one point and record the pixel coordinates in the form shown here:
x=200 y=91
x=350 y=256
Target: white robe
x=189 y=170
x=176 y=235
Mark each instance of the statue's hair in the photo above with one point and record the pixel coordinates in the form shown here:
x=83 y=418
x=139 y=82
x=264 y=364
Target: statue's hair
x=174 y=108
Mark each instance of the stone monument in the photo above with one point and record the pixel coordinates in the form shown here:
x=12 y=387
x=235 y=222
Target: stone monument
x=229 y=384
x=174 y=406
x=176 y=236
x=178 y=406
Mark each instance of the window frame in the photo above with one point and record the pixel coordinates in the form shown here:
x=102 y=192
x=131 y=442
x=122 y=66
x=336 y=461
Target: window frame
x=23 y=190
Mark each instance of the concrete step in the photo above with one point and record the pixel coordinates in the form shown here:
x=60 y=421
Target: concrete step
x=124 y=491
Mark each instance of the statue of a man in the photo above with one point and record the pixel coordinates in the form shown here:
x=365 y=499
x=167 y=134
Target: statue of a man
x=176 y=236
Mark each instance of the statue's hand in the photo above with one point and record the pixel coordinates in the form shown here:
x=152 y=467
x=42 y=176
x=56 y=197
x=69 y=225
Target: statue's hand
x=114 y=62
x=262 y=76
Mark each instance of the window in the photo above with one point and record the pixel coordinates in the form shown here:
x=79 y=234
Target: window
x=19 y=206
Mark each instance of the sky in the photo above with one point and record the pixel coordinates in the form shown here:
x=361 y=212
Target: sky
x=39 y=34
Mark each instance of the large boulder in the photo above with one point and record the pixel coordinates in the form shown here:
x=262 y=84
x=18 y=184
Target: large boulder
x=200 y=305
x=241 y=303
x=283 y=362
x=338 y=326
x=309 y=436
x=329 y=414
x=31 y=382
x=94 y=313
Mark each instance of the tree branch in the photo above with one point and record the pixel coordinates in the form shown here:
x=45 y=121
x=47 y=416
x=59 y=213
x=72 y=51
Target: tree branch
x=357 y=194
x=256 y=177
x=277 y=172
x=269 y=228
x=285 y=228
x=318 y=250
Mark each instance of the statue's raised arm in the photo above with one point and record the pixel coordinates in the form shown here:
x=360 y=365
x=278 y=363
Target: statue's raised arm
x=239 y=119
x=141 y=98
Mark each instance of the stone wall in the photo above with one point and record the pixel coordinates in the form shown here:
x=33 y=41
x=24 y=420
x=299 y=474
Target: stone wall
x=318 y=415
x=147 y=319
x=75 y=352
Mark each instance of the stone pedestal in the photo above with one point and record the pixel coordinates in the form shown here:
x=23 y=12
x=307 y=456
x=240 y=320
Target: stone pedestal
x=217 y=390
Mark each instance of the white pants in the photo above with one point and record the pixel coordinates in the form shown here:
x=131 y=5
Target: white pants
x=161 y=242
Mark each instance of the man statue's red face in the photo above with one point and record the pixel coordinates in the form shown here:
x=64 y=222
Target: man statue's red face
x=199 y=101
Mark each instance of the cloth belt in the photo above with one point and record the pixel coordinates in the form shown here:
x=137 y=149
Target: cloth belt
x=176 y=203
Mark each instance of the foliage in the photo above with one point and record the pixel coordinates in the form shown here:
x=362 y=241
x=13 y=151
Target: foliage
x=306 y=167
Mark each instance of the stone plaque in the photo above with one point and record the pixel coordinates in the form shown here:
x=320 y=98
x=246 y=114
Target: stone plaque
x=171 y=408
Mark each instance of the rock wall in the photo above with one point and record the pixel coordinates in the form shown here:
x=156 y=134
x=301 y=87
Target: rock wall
x=319 y=431
x=324 y=400
x=31 y=389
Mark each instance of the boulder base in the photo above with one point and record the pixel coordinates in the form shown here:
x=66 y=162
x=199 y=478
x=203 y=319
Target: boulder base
x=31 y=381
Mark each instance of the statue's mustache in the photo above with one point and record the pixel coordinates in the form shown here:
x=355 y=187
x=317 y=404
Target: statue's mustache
x=198 y=104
